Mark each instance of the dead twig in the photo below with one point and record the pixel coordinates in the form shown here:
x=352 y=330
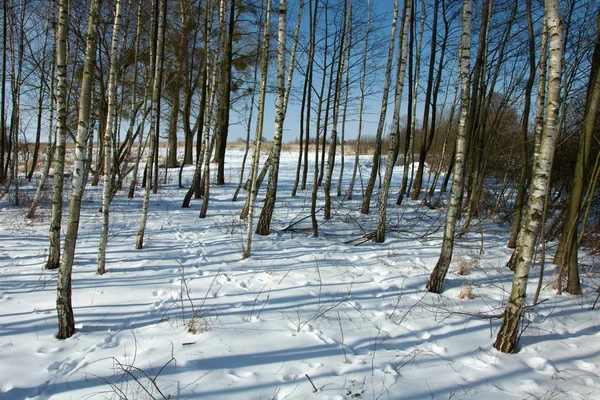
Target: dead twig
x=315 y=390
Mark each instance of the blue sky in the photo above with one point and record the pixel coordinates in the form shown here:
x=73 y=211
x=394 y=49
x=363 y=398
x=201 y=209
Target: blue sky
x=383 y=8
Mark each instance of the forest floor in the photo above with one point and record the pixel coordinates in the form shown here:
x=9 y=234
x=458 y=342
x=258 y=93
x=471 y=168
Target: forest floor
x=304 y=318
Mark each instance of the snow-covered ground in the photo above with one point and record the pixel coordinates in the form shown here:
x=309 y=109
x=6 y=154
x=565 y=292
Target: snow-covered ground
x=304 y=318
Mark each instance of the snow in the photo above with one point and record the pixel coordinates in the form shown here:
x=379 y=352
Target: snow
x=352 y=320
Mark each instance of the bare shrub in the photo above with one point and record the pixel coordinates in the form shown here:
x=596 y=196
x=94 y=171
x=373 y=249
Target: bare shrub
x=466 y=264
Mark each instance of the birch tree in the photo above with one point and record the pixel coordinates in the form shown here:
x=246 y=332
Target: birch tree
x=366 y=204
x=394 y=142
x=53 y=260
x=264 y=222
x=50 y=147
x=108 y=142
x=426 y=137
x=508 y=335
x=568 y=258
x=336 y=113
x=196 y=180
x=361 y=103
x=438 y=275
x=520 y=199
x=224 y=96
x=264 y=63
x=156 y=86
x=64 y=309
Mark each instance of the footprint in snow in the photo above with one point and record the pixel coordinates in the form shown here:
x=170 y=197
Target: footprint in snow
x=290 y=377
x=109 y=342
x=241 y=373
x=585 y=365
x=540 y=364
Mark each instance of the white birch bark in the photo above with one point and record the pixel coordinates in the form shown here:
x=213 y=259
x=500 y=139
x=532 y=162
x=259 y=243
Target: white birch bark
x=345 y=111
x=51 y=145
x=334 y=128
x=438 y=275
x=366 y=204
x=264 y=222
x=361 y=103
x=394 y=142
x=66 y=320
x=508 y=335
x=53 y=260
x=156 y=86
x=108 y=142
x=264 y=63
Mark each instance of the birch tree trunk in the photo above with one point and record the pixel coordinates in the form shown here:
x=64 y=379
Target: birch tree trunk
x=520 y=199
x=3 y=91
x=208 y=145
x=569 y=260
x=248 y=130
x=288 y=90
x=224 y=98
x=438 y=275
x=312 y=16
x=508 y=335
x=418 y=183
x=336 y=111
x=196 y=180
x=53 y=260
x=40 y=99
x=361 y=103
x=64 y=309
x=264 y=221
x=51 y=144
x=539 y=119
x=366 y=204
x=108 y=140
x=394 y=142
x=346 y=90
x=156 y=86
x=264 y=63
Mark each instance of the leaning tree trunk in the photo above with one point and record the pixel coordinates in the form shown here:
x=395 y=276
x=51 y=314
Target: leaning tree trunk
x=315 y=188
x=309 y=73
x=438 y=275
x=507 y=340
x=366 y=204
x=361 y=103
x=248 y=131
x=209 y=145
x=53 y=260
x=50 y=146
x=288 y=90
x=156 y=85
x=345 y=111
x=418 y=182
x=108 y=140
x=40 y=99
x=66 y=320
x=539 y=119
x=336 y=113
x=379 y=236
x=264 y=63
x=196 y=180
x=520 y=199
x=569 y=236
x=263 y=226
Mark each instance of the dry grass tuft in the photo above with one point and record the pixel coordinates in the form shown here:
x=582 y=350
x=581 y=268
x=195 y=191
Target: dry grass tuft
x=466 y=292
x=466 y=264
